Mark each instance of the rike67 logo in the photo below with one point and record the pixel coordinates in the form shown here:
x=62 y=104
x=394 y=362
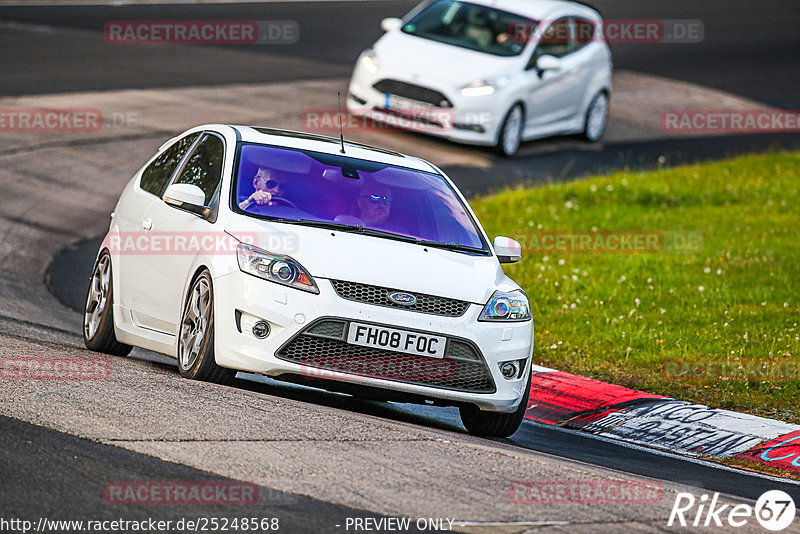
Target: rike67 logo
x=774 y=510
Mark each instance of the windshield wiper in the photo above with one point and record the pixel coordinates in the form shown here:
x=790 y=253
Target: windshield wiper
x=352 y=228
x=453 y=246
x=319 y=224
x=357 y=229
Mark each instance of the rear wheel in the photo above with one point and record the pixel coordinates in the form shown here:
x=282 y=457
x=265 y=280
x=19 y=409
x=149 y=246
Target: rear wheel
x=493 y=424
x=511 y=131
x=196 y=336
x=98 y=315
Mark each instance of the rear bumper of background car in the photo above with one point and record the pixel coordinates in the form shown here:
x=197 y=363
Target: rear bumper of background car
x=307 y=339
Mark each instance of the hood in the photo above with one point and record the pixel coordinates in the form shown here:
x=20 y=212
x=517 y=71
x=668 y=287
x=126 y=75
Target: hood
x=334 y=254
x=434 y=62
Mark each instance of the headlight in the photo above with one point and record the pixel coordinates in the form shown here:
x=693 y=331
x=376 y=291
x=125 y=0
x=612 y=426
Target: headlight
x=484 y=87
x=369 y=60
x=275 y=268
x=506 y=306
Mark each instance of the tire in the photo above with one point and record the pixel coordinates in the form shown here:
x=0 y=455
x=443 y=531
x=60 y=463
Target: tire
x=196 y=335
x=596 y=118
x=493 y=424
x=98 y=314
x=510 y=136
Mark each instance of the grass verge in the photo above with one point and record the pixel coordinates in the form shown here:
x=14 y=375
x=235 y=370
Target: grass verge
x=686 y=317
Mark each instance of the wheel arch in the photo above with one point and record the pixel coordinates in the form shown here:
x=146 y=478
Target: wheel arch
x=198 y=270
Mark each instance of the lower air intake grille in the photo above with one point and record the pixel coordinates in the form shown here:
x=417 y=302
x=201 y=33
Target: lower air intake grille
x=322 y=346
x=412 y=92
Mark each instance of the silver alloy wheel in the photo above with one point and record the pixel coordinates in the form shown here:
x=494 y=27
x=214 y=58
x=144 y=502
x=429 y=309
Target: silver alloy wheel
x=195 y=323
x=596 y=117
x=98 y=296
x=512 y=132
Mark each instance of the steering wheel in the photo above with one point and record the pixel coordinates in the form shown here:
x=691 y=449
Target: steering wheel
x=284 y=201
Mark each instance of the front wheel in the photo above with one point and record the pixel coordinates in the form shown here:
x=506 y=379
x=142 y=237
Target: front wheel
x=98 y=315
x=196 y=337
x=493 y=424
x=596 y=117
x=511 y=131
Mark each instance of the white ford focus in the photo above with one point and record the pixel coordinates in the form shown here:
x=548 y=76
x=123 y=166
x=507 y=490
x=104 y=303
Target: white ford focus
x=488 y=72
x=333 y=264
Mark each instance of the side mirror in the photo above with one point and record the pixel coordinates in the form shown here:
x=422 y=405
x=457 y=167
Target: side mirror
x=188 y=197
x=391 y=24
x=548 y=62
x=507 y=249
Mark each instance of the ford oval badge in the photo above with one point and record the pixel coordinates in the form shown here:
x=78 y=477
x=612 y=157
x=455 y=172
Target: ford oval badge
x=403 y=299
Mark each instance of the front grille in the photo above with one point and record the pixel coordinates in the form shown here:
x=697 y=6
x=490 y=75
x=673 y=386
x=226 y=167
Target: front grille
x=379 y=296
x=413 y=92
x=322 y=345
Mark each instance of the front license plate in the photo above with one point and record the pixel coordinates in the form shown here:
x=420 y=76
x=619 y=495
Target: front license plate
x=379 y=337
x=407 y=105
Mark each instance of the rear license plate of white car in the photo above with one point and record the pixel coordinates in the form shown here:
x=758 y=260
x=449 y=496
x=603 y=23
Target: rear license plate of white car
x=380 y=337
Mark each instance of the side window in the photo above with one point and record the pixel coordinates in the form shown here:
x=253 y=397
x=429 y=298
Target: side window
x=557 y=40
x=156 y=176
x=584 y=32
x=203 y=168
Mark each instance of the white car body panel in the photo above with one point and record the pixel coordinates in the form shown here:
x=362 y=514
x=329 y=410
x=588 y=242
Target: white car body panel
x=340 y=256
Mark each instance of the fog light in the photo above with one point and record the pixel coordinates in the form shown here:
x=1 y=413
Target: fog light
x=509 y=369
x=261 y=329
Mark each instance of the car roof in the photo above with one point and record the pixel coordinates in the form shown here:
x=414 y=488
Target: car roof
x=329 y=145
x=539 y=9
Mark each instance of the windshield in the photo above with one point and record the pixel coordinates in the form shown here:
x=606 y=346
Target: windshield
x=480 y=28
x=318 y=189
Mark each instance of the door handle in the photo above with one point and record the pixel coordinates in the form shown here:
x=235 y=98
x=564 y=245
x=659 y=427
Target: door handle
x=147 y=224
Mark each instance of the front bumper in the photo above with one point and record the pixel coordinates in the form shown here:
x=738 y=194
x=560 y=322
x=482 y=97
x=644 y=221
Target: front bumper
x=241 y=300
x=467 y=120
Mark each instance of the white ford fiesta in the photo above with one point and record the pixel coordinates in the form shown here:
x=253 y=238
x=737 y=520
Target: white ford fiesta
x=488 y=72
x=317 y=261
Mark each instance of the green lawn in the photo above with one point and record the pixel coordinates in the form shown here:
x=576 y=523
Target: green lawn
x=620 y=317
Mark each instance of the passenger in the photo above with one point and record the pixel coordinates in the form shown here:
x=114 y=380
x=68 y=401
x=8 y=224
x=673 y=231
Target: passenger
x=374 y=205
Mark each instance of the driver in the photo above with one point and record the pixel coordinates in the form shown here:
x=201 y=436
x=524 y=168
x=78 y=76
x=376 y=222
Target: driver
x=266 y=187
